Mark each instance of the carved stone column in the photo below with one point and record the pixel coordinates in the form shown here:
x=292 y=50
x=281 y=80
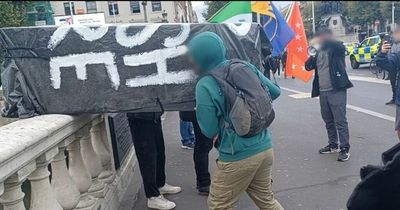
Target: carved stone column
x=80 y=174
x=98 y=144
x=42 y=194
x=12 y=199
x=106 y=176
x=107 y=143
x=67 y=193
x=1 y=188
x=93 y=164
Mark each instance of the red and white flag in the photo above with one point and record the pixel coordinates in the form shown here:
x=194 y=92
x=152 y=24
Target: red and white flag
x=297 y=48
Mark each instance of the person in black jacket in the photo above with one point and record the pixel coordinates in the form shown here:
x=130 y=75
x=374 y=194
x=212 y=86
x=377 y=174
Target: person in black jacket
x=147 y=134
x=330 y=84
x=202 y=148
x=390 y=61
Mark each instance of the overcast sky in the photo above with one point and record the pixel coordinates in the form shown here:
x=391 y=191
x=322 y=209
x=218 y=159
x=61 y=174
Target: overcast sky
x=199 y=7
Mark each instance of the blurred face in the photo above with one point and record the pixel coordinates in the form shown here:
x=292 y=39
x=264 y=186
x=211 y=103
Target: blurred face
x=324 y=37
x=396 y=36
x=193 y=64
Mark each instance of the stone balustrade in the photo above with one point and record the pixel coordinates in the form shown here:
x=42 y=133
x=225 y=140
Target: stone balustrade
x=75 y=152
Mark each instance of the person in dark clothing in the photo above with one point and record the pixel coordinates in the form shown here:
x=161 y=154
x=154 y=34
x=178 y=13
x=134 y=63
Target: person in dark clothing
x=394 y=74
x=270 y=64
x=283 y=60
x=392 y=78
x=389 y=60
x=330 y=84
x=146 y=130
x=202 y=148
x=380 y=184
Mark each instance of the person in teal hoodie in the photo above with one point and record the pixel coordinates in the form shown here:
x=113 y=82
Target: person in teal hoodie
x=244 y=164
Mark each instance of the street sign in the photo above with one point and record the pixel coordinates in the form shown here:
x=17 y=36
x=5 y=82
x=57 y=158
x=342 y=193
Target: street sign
x=84 y=19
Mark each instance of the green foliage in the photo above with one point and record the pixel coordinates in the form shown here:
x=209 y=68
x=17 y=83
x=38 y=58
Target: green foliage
x=359 y=13
x=306 y=13
x=12 y=14
x=213 y=7
x=363 y=13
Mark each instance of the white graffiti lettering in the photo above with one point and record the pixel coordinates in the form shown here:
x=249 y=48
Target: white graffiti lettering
x=162 y=76
x=240 y=29
x=79 y=61
x=91 y=33
x=137 y=39
x=87 y=33
x=180 y=39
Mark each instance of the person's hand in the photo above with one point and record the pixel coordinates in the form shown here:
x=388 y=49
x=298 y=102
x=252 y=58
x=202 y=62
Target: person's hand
x=386 y=47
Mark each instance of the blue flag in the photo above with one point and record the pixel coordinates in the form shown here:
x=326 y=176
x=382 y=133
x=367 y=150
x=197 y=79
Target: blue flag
x=277 y=29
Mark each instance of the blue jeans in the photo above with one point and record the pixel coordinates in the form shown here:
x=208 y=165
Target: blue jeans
x=187 y=133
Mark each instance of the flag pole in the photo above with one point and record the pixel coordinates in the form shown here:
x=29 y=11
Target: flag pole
x=313 y=17
x=290 y=11
x=287 y=19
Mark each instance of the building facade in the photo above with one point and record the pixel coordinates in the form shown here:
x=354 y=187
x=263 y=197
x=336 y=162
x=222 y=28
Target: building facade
x=130 y=11
x=40 y=13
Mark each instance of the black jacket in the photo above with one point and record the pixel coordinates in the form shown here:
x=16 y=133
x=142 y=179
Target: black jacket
x=337 y=67
x=390 y=62
x=379 y=188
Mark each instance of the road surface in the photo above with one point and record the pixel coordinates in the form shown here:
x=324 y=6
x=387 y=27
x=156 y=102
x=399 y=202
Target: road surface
x=303 y=179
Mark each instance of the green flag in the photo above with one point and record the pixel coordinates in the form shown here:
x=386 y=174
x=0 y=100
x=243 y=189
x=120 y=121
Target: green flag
x=233 y=12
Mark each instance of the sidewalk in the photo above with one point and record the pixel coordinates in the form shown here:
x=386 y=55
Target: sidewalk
x=180 y=171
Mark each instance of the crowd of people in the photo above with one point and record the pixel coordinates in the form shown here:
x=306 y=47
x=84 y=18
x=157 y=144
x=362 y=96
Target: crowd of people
x=241 y=136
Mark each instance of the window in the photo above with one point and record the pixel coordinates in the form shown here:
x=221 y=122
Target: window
x=41 y=13
x=374 y=41
x=91 y=7
x=156 y=6
x=135 y=6
x=364 y=43
x=67 y=8
x=113 y=8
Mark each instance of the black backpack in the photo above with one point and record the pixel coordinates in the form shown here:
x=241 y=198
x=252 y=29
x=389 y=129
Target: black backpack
x=249 y=102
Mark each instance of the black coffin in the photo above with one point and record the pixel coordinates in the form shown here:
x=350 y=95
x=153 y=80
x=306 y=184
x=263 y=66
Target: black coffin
x=112 y=68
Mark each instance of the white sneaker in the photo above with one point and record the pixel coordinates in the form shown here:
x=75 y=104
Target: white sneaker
x=160 y=203
x=168 y=189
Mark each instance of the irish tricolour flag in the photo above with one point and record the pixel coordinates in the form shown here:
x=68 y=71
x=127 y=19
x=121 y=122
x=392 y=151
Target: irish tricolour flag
x=233 y=12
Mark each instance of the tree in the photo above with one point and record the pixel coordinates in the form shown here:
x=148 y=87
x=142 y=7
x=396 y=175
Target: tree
x=213 y=7
x=306 y=13
x=361 y=13
x=13 y=13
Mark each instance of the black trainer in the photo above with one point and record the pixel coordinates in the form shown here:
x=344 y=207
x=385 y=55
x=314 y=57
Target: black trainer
x=390 y=102
x=344 y=155
x=204 y=190
x=329 y=150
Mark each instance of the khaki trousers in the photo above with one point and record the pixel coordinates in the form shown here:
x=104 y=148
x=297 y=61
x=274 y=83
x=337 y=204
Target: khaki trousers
x=251 y=175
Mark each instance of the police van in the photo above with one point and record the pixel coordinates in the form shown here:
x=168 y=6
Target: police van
x=365 y=51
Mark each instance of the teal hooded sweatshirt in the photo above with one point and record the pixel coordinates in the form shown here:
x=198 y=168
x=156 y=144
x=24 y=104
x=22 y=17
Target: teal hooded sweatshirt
x=208 y=52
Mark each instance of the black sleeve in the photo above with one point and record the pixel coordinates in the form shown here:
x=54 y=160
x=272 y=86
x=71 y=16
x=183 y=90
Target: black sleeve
x=389 y=62
x=310 y=63
x=338 y=49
